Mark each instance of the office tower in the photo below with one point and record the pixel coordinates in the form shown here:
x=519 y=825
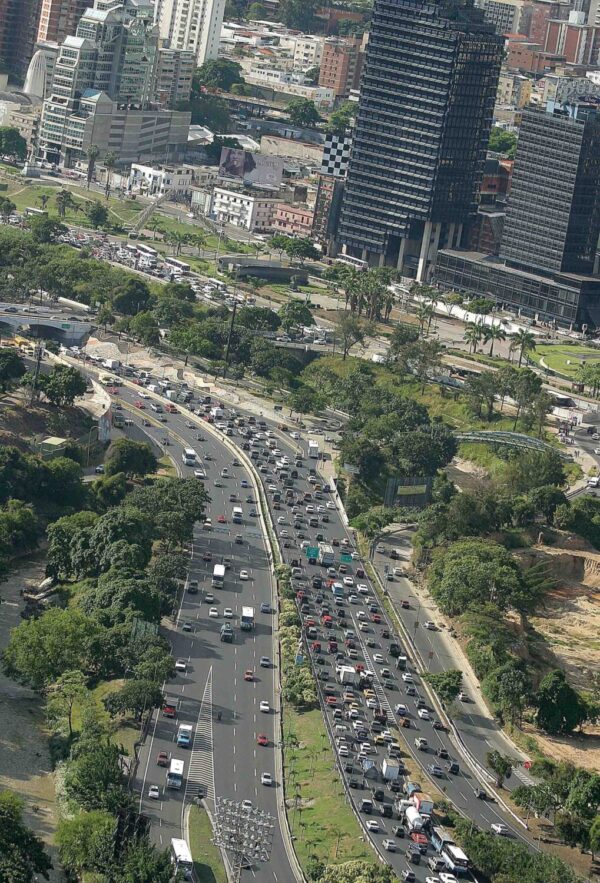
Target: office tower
x=425 y=111
x=18 y=28
x=548 y=265
x=191 y=24
x=104 y=89
x=174 y=73
x=59 y=18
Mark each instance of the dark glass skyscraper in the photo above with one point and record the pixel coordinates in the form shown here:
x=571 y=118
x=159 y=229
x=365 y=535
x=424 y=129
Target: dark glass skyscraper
x=425 y=112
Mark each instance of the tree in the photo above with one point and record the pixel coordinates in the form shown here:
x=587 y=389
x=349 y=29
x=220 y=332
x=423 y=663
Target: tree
x=145 y=328
x=302 y=111
x=97 y=214
x=136 y=696
x=305 y=400
x=64 y=201
x=447 y=684
x=86 y=842
x=423 y=359
x=45 y=230
x=42 y=650
x=312 y=75
x=105 y=315
x=12 y=367
x=481 y=390
x=144 y=863
x=63 y=385
x=501 y=765
x=535 y=469
x=22 y=853
x=508 y=687
x=278 y=242
x=594 y=837
x=502 y=141
x=94 y=777
x=401 y=336
x=110 y=164
x=425 y=313
x=218 y=73
x=301 y=250
x=295 y=314
x=358 y=872
x=132 y=297
x=560 y=709
x=524 y=341
x=341 y=119
x=213 y=112
x=130 y=457
x=259 y=318
x=493 y=333
x=472 y=335
x=351 y=330
x=472 y=572
x=70 y=688
x=256 y=12
x=92 y=154
x=12 y=142
x=7 y=207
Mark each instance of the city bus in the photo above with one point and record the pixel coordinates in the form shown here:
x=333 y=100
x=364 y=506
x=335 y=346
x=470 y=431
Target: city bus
x=148 y=257
x=349 y=261
x=181 y=858
x=189 y=457
x=177 y=267
x=147 y=251
x=175 y=774
x=218 y=577
x=455 y=859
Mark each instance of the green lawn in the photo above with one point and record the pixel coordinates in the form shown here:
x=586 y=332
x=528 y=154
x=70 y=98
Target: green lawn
x=564 y=358
x=208 y=864
x=121 y=211
x=321 y=821
x=127 y=732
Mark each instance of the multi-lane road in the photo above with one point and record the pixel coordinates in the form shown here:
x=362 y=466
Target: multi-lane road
x=225 y=758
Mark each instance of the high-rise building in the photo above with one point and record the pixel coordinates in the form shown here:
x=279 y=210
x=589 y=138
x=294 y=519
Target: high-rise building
x=59 y=18
x=194 y=25
x=508 y=16
x=104 y=89
x=426 y=101
x=549 y=259
x=339 y=64
x=18 y=29
x=174 y=73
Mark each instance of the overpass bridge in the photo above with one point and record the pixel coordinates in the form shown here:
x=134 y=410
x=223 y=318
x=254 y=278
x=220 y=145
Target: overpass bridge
x=510 y=439
x=39 y=325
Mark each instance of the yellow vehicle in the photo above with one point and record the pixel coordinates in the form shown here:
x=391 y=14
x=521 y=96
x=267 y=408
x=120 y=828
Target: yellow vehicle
x=379 y=740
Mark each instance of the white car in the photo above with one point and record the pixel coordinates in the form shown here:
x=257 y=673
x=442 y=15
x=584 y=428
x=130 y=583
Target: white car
x=281 y=520
x=264 y=706
x=154 y=792
x=330 y=504
x=430 y=624
x=207 y=524
x=247 y=805
x=348 y=581
x=363 y=627
x=143 y=395
x=423 y=714
x=447 y=878
x=500 y=828
x=343 y=751
x=284 y=533
x=362 y=615
x=320 y=508
x=401 y=709
x=362 y=589
x=180 y=665
x=373 y=826
x=294 y=435
x=372 y=703
x=390 y=845
x=265 y=662
x=266 y=779
x=199 y=473
x=244 y=574
x=228 y=613
x=407 y=677
x=213 y=612
x=310 y=509
x=354 y=599
x=377 y=657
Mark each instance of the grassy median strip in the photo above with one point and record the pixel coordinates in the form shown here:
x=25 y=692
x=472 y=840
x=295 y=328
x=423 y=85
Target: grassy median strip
x=322 y=822
x=208 y=864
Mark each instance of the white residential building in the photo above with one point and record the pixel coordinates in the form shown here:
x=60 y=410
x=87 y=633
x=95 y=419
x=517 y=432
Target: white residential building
x=308 y=52
x=194 y=25
x=157 y=181
x=253 y=210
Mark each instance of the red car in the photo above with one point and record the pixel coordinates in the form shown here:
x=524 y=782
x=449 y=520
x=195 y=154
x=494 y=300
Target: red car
x=221 y=519
x=359 y=666
x=404 y=603
x=327 y=620
x=169 y=710
x=248 y=675
x=316 y=647
x=162 y=758
x=262 y=739
x=331 y=700
x=376 y=618
x=139 y=404
x=333 y=646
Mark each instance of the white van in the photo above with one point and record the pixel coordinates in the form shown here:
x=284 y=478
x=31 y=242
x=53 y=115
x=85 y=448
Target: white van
x=593 y=481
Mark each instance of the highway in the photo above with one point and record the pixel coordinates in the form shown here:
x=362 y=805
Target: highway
x=214 y=679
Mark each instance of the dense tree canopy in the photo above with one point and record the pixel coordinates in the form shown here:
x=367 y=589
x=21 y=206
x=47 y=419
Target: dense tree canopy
x=22 y=853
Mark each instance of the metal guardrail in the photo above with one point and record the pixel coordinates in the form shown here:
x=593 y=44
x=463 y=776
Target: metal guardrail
x=510 y=439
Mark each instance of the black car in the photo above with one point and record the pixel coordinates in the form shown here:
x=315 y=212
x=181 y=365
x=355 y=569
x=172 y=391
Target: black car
x=442 y=752
x=480 y=794
x=387 y=811
x=413 y=854
x=348 y=768
x=399 y=831
x=354 y=783
x=395 y=787
x=378 y=794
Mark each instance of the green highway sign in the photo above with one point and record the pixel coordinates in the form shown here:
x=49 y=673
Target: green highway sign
x=346 y=557
x=312 y=551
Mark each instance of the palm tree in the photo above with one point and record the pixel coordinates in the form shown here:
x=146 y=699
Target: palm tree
x=92 y=154
x=524 y=341
x=493 y=333
x=43 y=200
x=197 y=239
x=425 y=313
x=155 y=225
x=110 y=163
x=472 y=335
x=64 y=201
x=177 y=240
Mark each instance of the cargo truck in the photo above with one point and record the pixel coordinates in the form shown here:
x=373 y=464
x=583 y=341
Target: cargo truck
x=439 y=838
x=247 y=620
x=175 y=774
x=346 y=674
x=326 y=555
x=414 y=819
x=423 y=803
x=390 y=769
x=184 y=735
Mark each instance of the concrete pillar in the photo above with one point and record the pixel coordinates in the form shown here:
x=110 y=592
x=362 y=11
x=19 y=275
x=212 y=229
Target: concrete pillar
x=364 y=255
x=437 y=232
x=450 y=236
x=382 y=259
x=399 y=265
x=425 y=241
x=459 y=231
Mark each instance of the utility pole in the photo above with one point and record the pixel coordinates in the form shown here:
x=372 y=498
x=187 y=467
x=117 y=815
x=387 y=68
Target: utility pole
x=39 y=352
x=229 y=336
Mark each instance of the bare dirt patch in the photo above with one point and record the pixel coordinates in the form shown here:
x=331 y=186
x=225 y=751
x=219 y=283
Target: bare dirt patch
x=24 y=759
x=21 y=422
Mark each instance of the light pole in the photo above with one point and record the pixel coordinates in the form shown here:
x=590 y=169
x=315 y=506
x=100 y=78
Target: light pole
x=246 y=833
x=418 y=600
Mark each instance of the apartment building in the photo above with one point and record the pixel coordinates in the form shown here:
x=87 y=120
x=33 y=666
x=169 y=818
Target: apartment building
x=339 y=65
x=245 y=207
x=193 y=25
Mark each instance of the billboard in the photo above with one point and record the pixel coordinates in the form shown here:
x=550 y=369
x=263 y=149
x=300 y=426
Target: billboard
x=251 y=168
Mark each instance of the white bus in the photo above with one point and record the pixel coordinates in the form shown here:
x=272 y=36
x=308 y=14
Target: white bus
x=177 y=267
x=189 y=457
x=175 y=774
x=218 y=577
x=147 y=251
x=455 y=859
x=313 y=450
x=182 y=858
x=349 y=261
x=218 y=284
x=236 y=515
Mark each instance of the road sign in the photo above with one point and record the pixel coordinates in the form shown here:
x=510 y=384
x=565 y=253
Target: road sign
x=346 y=557
x=311 y=551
